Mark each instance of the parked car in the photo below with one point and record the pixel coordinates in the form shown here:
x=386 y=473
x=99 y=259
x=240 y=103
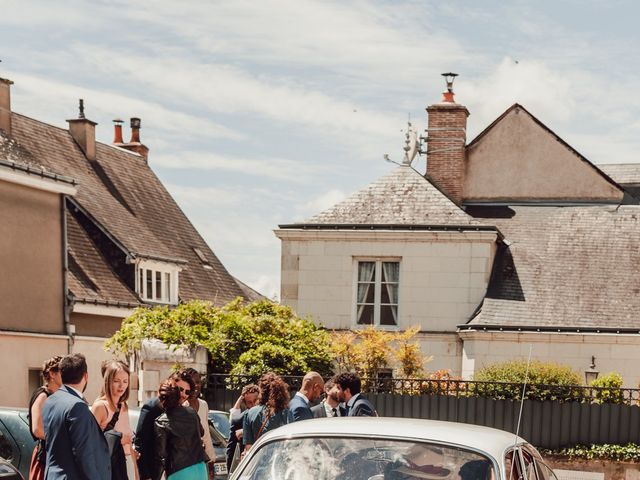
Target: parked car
x=220 y=420
x=16 y=442
x=390 y=449
x=9 y=472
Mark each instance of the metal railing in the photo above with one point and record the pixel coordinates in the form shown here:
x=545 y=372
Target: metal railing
x=459 y=388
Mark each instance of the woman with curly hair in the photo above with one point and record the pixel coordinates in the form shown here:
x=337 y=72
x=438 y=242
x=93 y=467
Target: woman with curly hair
x=179 y=433
x=271 y=413
x=52 y=381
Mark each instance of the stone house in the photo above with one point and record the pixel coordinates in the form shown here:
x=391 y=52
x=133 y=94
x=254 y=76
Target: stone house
x=88 y=234
x=513 y=241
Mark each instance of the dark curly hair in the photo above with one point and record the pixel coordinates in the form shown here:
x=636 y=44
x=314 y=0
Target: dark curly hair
x=274 y=392
x=169 y=395
x=348 y=380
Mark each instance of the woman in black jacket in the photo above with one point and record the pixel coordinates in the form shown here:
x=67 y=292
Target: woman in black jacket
x=179 y=436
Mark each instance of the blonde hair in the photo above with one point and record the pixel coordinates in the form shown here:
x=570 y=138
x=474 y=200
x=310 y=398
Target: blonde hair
x=109 y=370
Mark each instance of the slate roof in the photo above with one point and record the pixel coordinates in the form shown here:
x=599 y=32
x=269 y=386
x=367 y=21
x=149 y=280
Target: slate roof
x=401 y=197
x=622 y=173
x=565 y=267
x=122 y=195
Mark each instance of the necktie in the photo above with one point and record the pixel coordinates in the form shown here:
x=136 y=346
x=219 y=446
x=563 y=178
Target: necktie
x=335 y=412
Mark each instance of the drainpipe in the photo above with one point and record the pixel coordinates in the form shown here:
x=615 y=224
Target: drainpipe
x=67 y=303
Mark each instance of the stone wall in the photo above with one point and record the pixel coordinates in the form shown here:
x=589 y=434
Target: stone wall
x=611 y=470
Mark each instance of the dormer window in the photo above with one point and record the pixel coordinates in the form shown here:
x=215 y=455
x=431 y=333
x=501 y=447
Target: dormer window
x=157 y=282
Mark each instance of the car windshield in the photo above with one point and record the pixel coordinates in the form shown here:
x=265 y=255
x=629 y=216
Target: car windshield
x=364 y=459
x=221 y=422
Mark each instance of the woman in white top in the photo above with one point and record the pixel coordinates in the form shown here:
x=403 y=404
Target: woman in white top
x=113 y=397
x=202 y=409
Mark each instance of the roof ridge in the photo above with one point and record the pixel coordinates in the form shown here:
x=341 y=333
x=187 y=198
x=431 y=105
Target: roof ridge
x=124 y=150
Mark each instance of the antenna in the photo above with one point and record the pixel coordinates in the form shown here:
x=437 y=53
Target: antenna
x=524 y=388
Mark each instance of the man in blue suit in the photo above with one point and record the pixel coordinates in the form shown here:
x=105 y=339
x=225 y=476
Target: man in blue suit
x=310 y=391
x=76 y=448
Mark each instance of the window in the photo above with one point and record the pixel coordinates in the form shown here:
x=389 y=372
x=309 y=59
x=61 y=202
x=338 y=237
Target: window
x=157 y=282
x=377 y=292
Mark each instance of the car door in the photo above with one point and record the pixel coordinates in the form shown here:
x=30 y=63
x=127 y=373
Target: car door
x=8 y=448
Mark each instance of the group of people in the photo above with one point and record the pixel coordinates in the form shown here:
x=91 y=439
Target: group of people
x=75 y=441
x=172 y=437
x=267 y=406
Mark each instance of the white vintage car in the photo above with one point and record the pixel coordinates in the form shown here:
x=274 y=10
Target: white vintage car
x=390 y=449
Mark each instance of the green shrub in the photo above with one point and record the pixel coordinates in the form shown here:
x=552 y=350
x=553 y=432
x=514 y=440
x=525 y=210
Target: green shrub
x=620 y=453
x=611 y=385
x=545 y=381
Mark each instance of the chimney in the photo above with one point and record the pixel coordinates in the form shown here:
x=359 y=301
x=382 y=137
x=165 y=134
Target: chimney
x=117 y=136
x=446 y=139
x=5 y=105
x=134 y=144
x=83 y=132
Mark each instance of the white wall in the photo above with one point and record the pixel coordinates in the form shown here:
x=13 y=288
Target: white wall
x=443 y=275
x=619 y=353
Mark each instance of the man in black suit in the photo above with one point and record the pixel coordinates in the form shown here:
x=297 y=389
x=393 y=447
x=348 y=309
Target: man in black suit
x=247 y=399
x=330 y=406
x=76 y=447
x=310 y=391
x=357 y=404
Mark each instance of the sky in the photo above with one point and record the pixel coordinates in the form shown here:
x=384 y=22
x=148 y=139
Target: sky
x=265 y=113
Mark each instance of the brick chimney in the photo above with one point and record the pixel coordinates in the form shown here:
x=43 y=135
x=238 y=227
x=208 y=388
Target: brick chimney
x=83 y=132
x=117 y=132
x=5 y=105
x=446 y=139
x=134 y=144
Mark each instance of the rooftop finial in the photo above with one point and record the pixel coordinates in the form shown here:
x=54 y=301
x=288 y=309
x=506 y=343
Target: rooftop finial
x=81 y=109
x=448 y=95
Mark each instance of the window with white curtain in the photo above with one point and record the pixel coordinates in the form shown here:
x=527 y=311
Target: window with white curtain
x=156 y=282
x=377 y=292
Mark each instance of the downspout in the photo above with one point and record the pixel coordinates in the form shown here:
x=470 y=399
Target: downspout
x=67 y=303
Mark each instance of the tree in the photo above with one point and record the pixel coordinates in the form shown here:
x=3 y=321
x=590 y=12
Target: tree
x=240 y=338
x=370 y=350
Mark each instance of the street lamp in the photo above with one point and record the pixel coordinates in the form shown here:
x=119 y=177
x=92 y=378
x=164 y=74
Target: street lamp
x=591 y=374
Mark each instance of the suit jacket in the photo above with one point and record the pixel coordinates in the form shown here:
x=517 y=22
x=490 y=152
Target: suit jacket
x=319 y=411
x=361 y=408
x=145 y=439
x=76 y=447
x=235 y=424
x=299 y=409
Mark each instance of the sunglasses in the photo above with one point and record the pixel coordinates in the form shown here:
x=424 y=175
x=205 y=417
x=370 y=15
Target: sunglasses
x=186 y=391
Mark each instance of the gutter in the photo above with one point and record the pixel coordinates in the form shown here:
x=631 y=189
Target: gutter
x=546 y=329
x=387 y=226
x=67 y=301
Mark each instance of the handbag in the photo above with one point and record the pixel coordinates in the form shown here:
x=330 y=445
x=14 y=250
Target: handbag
x=116 y=452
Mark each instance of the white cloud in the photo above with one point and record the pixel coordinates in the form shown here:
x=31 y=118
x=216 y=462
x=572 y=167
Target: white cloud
x=47 y=99
x=272 y=168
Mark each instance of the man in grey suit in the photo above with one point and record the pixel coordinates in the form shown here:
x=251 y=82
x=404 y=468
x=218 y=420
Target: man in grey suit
x=330 y=406
x=310 y=391
x=76 y=448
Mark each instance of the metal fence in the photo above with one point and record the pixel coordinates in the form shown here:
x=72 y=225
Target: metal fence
x=552 y=416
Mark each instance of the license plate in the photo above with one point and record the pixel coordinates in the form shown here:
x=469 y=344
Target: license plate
x=220 y=468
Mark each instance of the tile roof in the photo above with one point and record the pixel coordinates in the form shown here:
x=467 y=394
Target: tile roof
x=622 y=173
x=401 y=197
x=565 y=267
x=121 y=193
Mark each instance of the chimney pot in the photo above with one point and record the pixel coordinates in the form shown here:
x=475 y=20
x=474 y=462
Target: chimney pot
x=117 y=126
x=5 y=105
x=135 y=130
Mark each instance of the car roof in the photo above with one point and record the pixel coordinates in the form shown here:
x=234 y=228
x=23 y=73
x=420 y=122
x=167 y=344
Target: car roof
x=484 y=439
x=14 y=410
